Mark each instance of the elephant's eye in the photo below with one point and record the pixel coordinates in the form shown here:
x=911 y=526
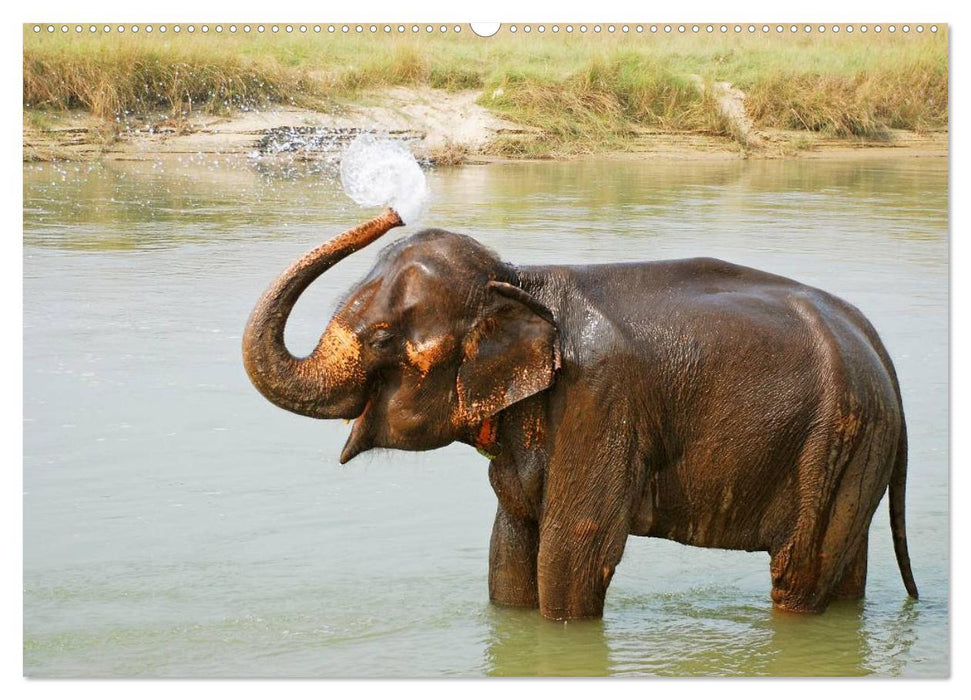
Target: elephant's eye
x=381 y=339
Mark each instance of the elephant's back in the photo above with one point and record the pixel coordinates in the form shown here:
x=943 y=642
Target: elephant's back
x=729 y=302
x=682 y=278
x=691 y=316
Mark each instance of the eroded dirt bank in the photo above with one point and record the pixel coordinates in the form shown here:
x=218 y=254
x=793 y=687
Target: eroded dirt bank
x=441 y=126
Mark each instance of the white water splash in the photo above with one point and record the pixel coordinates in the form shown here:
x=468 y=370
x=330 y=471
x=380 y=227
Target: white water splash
x=380 y=171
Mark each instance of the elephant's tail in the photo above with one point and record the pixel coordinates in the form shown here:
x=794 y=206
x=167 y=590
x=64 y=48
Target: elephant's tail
x=898 y=485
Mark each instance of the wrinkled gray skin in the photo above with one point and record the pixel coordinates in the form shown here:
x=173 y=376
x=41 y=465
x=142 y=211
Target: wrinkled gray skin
x=693 y=400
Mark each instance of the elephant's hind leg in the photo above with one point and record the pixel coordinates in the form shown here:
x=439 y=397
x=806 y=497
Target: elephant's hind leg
x=826 y=556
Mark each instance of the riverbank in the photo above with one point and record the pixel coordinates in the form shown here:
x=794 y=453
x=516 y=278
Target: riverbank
x=459 y=97
x=443 y=130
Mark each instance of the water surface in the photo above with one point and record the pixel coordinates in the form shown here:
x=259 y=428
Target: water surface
x=178 y=524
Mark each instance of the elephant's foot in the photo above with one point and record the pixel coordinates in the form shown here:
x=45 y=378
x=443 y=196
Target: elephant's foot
x=591 y=608
x=797 y=584
x=796 y=603
x=514 y=599
x=577 y=598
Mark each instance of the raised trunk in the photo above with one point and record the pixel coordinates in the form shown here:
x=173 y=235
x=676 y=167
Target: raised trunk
x=329 y=382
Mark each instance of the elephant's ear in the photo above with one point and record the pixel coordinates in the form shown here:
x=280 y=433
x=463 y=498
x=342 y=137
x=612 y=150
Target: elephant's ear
x=510 y=354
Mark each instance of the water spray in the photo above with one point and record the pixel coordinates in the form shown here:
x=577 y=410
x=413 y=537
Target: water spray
x=383 y=172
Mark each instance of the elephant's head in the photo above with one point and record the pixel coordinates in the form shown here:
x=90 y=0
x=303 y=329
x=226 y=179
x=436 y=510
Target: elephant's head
x=435 y=341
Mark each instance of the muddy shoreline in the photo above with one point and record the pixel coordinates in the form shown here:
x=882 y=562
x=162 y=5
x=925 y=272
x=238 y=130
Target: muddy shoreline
x=445 y=128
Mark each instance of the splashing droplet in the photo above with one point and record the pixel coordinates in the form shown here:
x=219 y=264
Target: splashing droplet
x=383 y=172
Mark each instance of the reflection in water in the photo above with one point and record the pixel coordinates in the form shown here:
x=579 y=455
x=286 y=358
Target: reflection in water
x=622 y=193
x=798 y=640
x=522 y=643
x=891 y=641
x=124 y=205
x=691 y=638
x=175 y=523
x=853 y=642
x=135 y=206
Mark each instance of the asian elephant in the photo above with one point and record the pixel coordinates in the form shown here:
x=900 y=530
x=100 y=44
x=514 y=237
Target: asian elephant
x=693 y=400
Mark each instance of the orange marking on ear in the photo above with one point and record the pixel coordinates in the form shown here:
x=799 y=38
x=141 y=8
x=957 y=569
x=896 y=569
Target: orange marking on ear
x=533 y=432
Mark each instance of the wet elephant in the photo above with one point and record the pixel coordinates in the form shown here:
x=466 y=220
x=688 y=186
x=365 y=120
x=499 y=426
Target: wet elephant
x=693 y=400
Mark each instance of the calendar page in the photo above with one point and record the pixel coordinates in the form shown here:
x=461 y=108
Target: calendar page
x=449 y=350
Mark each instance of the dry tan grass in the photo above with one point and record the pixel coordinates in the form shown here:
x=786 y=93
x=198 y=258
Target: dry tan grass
x=449 y=154
x=579 y=93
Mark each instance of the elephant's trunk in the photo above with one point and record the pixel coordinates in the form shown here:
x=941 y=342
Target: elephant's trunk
x=329 y=382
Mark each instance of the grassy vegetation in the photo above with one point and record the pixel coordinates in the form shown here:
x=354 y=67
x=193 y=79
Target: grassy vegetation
x=579 y=92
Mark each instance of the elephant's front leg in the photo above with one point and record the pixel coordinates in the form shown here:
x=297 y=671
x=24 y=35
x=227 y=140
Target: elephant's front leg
x=586 y=511
x=512 y=561
x=577 y=559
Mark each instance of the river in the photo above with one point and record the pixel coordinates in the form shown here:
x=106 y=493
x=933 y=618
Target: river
x=176 y=524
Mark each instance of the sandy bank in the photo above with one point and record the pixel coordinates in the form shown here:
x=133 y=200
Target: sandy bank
x=443 y=127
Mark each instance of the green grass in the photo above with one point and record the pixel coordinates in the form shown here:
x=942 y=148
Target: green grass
x=580 y=93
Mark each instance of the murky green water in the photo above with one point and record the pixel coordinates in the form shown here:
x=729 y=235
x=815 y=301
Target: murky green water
x=177 y=524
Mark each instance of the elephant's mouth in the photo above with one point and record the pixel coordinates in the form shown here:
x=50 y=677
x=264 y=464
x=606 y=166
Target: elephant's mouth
x=360 y=438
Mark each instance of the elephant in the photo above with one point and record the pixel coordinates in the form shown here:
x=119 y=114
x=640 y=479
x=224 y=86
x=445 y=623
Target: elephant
x=693 y=400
